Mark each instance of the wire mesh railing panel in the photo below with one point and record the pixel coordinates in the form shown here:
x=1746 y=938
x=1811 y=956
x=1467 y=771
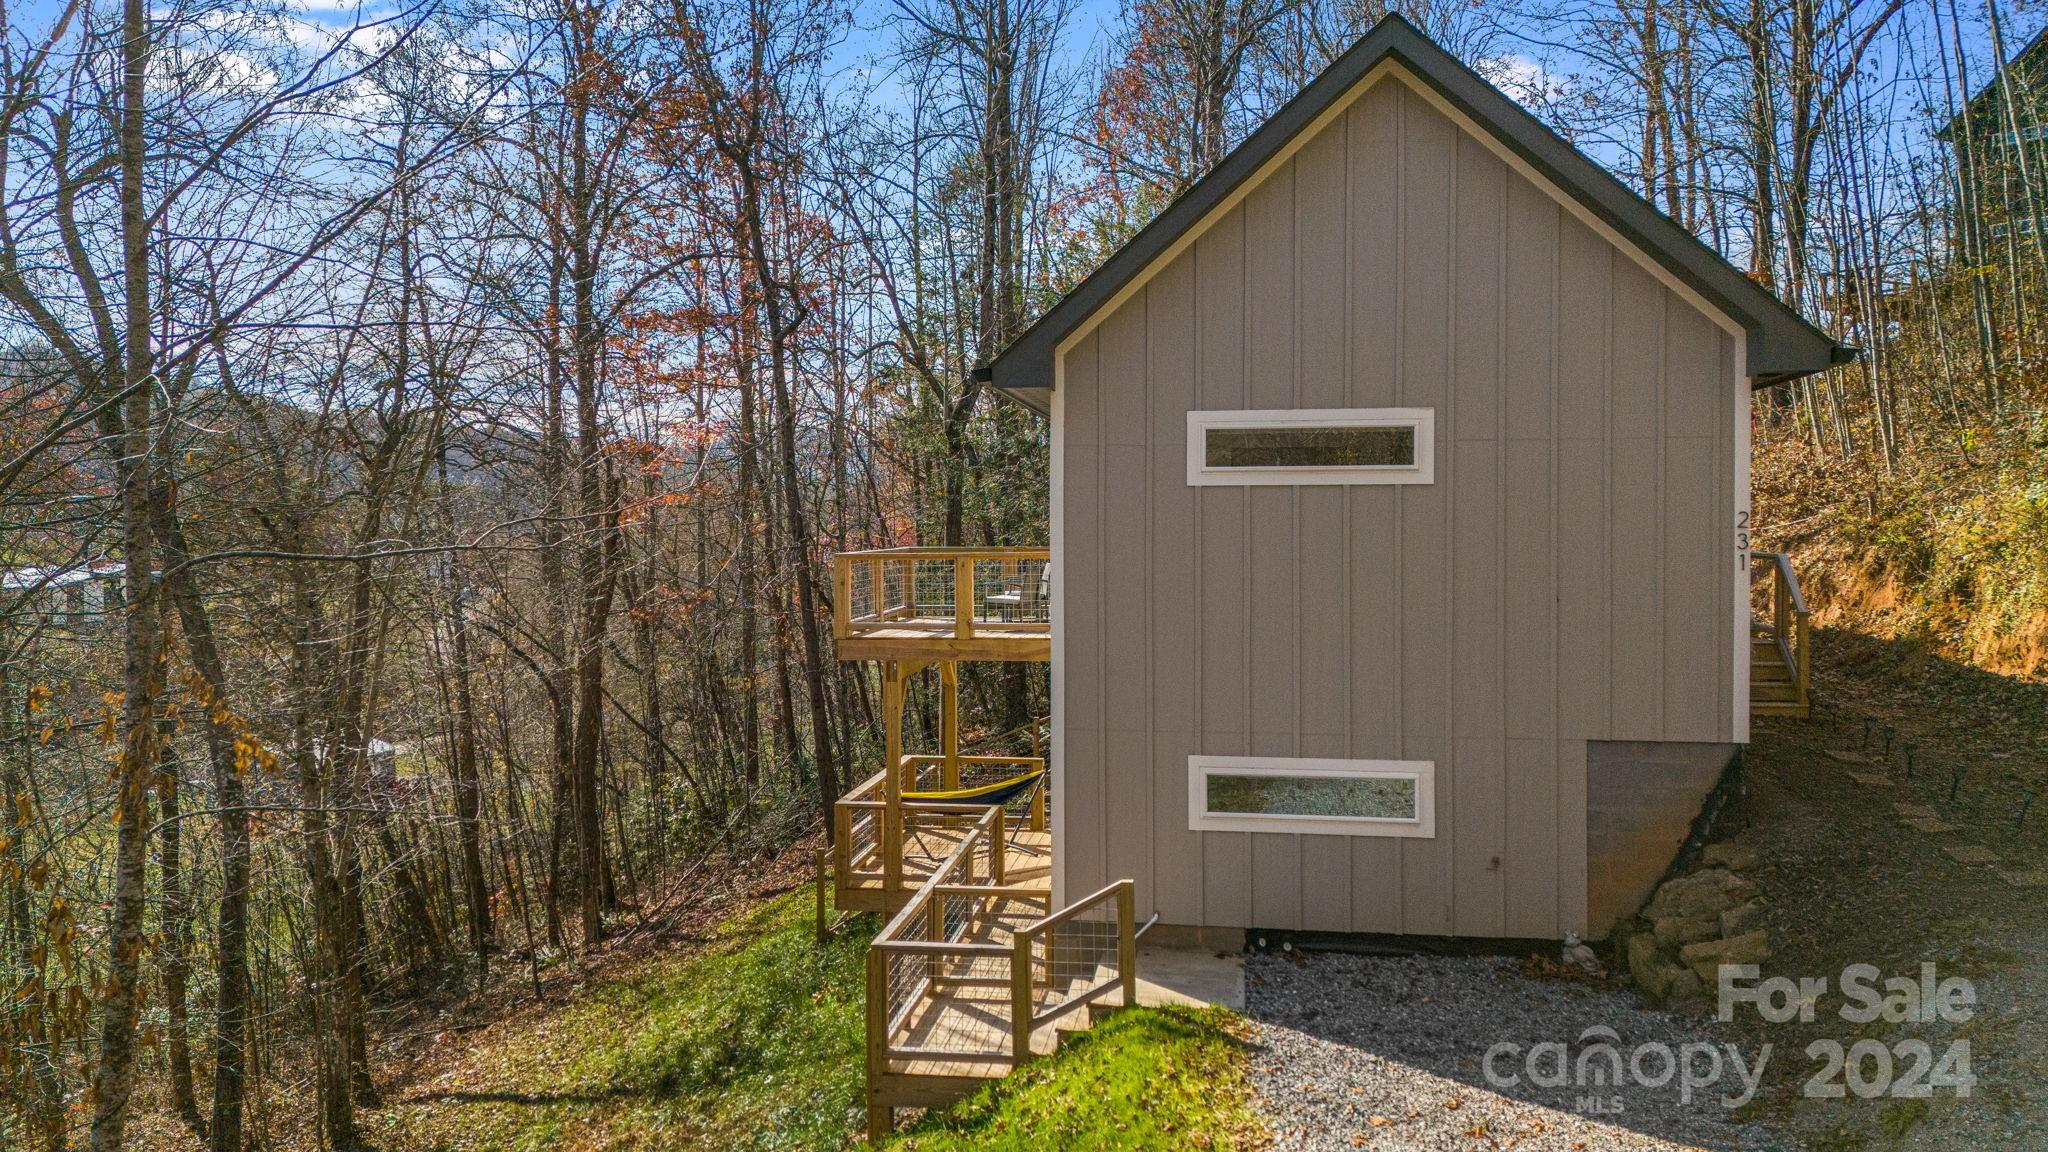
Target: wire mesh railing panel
x=1074 y=958
x=933 y=587
x=977 y=773
x=948 y=976
x=860 y=592
x=1013 y=590
x=956 y=915
x=892 y=587
x=908 y=981
x=945 y=1007
x=1006 y=589
x=969 y=971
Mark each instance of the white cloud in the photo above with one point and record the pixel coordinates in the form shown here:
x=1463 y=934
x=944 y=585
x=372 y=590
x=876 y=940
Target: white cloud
x=1524 y=78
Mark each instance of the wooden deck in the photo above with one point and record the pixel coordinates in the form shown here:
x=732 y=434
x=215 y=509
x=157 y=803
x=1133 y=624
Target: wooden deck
x=1027 y=863
x=975 y=972
x=931 y=638
x=975 y=1017
x=917 y=604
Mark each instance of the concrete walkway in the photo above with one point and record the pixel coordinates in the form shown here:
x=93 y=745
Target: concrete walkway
x=1193 y=976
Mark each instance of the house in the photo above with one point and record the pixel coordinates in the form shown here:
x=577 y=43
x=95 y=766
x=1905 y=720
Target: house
x=2007 y=122
x=1400 y=577
x=65 y=596
x=1401 y=521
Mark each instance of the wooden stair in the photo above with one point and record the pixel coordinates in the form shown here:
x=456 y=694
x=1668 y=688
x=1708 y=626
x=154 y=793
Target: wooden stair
x=976 y=965
x=1773 y=689
x=1780 y=647
x=975 y=1013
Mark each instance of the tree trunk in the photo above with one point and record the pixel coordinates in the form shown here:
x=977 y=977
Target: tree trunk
x=476 y=893
x=174 y=949
x=595 y=580
x=231 y=933
x=331 y=1008
x=114 y=1076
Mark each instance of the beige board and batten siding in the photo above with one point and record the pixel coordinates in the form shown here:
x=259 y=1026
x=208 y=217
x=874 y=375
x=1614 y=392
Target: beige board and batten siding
x=1564 y=579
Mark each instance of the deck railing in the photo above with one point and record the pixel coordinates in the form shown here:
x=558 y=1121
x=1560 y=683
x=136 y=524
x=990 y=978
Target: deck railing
x=949 y=943
x=971 y=969
x=857 y=833
x=1786 y=619
x=1070 y=959
x=960 y=591
x=927 y=773
x=858 y=818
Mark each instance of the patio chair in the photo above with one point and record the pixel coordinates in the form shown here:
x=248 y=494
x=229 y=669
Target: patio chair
x=1023 y=597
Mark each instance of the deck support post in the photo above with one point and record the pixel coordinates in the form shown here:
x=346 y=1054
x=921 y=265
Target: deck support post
x=842 y=601
x=881 y=1117
x=819 y=861
x=1020 y=1000
x=963 y=598
x=892 y=781
x=999 y=849
x=949 y=722
x=1127 y=942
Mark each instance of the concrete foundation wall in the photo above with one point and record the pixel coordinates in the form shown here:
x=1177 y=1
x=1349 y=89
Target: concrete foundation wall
x=1641 y=799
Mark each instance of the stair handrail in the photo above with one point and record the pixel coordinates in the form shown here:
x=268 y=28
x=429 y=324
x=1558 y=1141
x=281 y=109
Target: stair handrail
x=1025 y=1015
x=1791 y=623
x=926 y=905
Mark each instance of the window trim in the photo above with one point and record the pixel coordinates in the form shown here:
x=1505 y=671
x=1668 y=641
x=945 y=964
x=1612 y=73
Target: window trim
x=1422 y=420
x=1421 y=825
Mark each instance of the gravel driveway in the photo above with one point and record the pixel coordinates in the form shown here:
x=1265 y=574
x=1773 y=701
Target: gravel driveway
x=1392 y=1052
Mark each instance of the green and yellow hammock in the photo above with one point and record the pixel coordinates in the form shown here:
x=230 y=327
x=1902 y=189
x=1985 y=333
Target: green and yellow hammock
x=1000 y=792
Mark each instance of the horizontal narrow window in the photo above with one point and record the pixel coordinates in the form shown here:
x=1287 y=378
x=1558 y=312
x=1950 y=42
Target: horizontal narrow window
x=1311 y=446
x=1331 y=797
x=1355 y=446
x=1365 y=799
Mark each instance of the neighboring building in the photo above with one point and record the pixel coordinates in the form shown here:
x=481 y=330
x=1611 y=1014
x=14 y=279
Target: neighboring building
x=67 y=598
x=2009 y=141
x=1400 y=524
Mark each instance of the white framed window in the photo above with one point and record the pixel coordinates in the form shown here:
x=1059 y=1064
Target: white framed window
x=1326 y=797
x=1312 y=446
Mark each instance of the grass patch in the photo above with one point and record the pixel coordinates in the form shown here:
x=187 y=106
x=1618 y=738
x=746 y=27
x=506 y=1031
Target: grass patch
x=753 y=1041
x=750 y=1042
x=1166 y=1078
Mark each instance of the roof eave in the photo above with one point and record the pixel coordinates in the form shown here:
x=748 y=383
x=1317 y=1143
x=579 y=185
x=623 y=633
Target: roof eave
x=1780 y=343
x=1838 y=355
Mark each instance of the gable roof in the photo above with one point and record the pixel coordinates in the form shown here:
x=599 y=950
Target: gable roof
x=2025 y=72
x=1781 y=344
